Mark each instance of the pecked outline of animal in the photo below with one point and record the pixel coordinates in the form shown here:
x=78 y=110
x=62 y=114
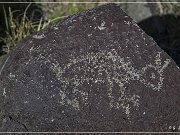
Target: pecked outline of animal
x=113 y=66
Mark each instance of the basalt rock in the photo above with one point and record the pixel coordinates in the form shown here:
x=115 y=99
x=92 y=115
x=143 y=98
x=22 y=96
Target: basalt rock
x=95 y=71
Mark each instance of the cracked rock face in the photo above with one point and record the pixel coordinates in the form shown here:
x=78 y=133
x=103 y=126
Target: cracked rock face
x=94 y=71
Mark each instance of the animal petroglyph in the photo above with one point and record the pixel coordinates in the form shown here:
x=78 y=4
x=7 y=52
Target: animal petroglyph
x=95 y=71
x=107 y=68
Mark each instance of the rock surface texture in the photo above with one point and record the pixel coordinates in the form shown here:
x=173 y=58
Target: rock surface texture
x=92 y=72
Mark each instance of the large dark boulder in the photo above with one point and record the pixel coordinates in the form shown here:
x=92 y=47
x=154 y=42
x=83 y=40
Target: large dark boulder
x=94 y=71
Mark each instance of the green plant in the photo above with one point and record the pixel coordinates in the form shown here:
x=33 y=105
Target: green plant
x=16 y=29
x=20 y=27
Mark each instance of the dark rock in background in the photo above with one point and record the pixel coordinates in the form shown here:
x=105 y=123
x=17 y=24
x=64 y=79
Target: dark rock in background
x=94 y=71
x=165 y=30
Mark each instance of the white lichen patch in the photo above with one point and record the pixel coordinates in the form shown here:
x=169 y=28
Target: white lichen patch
x=39 y=36
x=70 y=27
x=89 y=35
x=31 y=49
x=52 y=120
x=52 y=96
x=106 y=68
x=55 y=28
x=4 y=92
x=11 y=76
x=25 y=102
x=102 y=26
x=127 y=22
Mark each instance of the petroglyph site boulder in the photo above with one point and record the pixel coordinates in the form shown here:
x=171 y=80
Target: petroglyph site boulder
x=94 y=71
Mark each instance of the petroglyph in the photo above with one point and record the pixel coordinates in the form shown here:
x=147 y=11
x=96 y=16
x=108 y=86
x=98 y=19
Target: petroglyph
x=109 y=69
x=93 y=71
x=102 y=26
x=156 y=78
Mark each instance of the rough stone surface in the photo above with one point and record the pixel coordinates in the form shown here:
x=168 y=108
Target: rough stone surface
x=94 y=71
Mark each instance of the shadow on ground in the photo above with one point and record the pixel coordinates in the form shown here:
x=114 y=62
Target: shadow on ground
x=165 y=30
